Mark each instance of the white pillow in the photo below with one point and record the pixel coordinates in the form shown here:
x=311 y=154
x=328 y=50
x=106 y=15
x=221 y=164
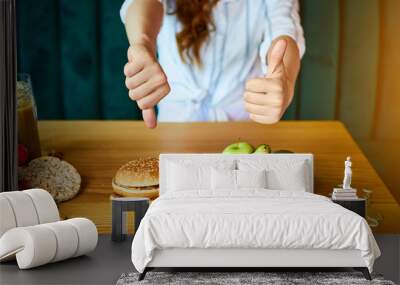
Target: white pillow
x=187 y=175
x=223 y=179
x=183 y=178
x=226 y=179
x=289 y=175
x=251 y=178
x=287 y=179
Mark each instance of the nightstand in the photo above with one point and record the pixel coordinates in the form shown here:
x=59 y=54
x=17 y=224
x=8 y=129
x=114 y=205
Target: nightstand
x=121 y=205
x=355 y=205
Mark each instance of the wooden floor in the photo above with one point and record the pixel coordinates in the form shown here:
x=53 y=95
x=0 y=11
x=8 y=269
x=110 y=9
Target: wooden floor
x=98 y=148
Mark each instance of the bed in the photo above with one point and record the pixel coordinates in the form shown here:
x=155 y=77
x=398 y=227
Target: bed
x=247 y=211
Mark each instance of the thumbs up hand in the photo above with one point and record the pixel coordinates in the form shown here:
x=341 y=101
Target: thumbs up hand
x=266 y=98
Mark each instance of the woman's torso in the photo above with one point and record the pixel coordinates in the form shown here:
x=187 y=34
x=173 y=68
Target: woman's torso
x=214 y=91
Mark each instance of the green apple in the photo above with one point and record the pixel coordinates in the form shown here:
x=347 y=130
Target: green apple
x=239 y=148
x=263 y=148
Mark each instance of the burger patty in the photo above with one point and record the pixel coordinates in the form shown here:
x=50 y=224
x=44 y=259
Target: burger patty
x=151 y=187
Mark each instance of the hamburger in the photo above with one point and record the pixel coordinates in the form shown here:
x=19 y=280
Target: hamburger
x=137 y=178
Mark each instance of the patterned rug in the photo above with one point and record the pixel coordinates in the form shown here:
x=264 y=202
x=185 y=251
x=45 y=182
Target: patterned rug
x=243 y=278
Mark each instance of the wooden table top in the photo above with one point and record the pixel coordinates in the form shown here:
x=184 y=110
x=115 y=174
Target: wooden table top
x=98 y=148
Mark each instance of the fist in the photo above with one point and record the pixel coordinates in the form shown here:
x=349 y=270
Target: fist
x=145 y=80
x=266 y=98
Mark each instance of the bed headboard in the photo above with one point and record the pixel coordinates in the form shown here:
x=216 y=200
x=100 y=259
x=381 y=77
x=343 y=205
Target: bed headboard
x=164 y=158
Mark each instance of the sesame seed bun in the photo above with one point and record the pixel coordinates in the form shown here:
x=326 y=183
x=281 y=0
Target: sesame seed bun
x=140 y=172
x=137 y=178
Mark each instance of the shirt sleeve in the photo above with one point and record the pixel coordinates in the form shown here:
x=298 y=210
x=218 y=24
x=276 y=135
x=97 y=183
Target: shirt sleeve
x=282 y=19
x=124 y=9
x=127 y=3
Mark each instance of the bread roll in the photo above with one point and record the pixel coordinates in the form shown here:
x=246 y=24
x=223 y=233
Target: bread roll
x=137 y=178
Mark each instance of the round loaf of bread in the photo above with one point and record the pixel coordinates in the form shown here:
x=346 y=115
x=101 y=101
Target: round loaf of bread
x=56 y=176
x=137 y=178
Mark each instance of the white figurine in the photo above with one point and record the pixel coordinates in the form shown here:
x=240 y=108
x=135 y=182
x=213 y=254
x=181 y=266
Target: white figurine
x=347 y=174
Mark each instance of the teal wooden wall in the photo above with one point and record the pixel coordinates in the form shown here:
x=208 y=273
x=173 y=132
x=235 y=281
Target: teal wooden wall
x=75 y=52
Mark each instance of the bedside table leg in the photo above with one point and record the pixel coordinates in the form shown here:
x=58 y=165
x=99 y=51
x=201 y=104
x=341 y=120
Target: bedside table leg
x=140 y=211
x=117 y=222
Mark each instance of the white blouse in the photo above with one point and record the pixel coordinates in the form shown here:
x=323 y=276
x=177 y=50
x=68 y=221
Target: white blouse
x=236 y=51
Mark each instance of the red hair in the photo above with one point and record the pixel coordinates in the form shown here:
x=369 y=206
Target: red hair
x=197 y=23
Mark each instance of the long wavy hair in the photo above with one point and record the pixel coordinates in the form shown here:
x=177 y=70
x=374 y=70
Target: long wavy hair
x=197 y=23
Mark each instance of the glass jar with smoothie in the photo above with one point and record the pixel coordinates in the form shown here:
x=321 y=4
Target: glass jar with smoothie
x=28 y=134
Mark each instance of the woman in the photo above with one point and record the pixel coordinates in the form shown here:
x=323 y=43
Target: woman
x=206 y=60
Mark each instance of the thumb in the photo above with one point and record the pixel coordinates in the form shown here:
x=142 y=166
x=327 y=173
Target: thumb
x=149 y=117
x=275 y=59
x=129 y=54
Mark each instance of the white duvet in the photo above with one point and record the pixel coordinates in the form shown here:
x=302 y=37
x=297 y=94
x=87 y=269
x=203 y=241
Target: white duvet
x=250 y=219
